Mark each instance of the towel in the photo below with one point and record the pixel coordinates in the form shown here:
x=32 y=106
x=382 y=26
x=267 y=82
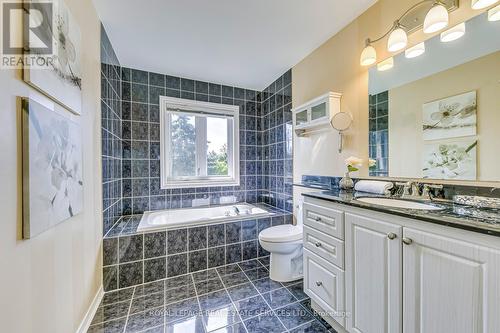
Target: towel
x=373 y=186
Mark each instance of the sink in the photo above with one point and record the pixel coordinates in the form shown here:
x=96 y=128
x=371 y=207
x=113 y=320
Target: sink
x=398 y=203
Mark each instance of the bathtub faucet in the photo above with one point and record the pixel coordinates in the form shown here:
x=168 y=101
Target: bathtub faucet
x=236 y=210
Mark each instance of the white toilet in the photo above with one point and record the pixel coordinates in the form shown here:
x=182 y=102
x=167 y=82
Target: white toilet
x=284 y=242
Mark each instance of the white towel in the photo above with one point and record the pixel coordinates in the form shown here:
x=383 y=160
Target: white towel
x=373 y=186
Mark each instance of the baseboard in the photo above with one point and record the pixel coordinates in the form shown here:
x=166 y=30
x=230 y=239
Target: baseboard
x=87 y=319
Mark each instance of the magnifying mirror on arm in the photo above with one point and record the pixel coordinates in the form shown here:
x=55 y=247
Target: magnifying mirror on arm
x=341 y=121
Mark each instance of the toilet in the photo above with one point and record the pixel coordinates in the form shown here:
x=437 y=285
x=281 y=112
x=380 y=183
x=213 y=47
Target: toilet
x=284 y=242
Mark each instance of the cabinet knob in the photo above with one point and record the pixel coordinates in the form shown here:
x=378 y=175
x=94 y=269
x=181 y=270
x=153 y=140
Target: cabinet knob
x=391 y=235
x=317 y=218
x=318 y=244
x=407 y=240
x=319 y=283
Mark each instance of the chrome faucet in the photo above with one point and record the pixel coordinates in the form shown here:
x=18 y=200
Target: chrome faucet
x=236 y=210
x=411 y=190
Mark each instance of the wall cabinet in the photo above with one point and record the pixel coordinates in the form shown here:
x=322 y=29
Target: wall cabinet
x=316 y=112
x=400 y=275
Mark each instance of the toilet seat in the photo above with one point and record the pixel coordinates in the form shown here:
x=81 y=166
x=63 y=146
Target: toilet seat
x=281 y=234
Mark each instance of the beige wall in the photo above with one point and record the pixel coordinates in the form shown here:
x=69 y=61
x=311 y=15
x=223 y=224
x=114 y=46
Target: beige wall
x=334 y=66
x=47 y=283
x=405 y=116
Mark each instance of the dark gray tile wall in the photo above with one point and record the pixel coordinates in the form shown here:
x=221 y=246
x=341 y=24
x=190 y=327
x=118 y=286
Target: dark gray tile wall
x=379 y=133
x=141 y=140
x=277 y=150
x=111 y=131
x=132 y=258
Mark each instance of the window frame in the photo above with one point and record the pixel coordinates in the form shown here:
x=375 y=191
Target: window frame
x=199 y=108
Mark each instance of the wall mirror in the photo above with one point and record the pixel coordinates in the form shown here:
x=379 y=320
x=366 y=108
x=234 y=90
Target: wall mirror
x=437 y=115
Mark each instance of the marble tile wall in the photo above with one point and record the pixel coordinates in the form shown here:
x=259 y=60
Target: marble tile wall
x=132 y=258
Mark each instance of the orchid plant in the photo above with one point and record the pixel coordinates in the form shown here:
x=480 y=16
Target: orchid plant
x=353 y=163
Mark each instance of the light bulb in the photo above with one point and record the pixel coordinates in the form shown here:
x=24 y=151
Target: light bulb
x=397 y=40
x=415 y=51
x=368 y=56
x=436 y=19
x=480 y=4
x=386 y=64
x=453 y=33
x=494 y=14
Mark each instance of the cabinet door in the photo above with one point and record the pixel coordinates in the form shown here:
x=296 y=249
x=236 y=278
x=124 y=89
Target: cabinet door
x=319 y=111
x=301 y=117
x=449 y=285
x=373 y=275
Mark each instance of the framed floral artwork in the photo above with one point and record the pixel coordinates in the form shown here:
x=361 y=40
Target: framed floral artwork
x=61 y=77
x=455 y=159
x=52 y=168
x=450 y=117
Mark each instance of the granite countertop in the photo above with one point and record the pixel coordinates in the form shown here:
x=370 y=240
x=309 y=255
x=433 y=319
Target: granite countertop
x=481 y=220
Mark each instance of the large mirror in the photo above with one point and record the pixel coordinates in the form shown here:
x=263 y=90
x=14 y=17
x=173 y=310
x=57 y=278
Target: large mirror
x=437 y=116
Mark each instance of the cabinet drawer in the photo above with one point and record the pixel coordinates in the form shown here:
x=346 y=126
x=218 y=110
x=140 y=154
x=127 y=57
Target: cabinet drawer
x=324 y=283
x=325 y=246
x=328 y=220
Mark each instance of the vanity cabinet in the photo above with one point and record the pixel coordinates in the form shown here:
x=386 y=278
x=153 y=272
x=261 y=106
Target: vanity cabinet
x=373 y=275
x=399 y=274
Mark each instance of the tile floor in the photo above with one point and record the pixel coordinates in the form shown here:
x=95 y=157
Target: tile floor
x=238 y=298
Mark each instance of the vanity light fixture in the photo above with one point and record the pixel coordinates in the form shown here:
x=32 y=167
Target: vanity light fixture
x=453 y=33
x=415 y=51
x=386 y=64
x=494 y=14
x=436 y=19
x=369 y=55
x=397 y=39
x=480 y=4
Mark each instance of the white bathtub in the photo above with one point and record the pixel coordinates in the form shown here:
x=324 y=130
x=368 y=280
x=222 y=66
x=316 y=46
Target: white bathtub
x=174 y=218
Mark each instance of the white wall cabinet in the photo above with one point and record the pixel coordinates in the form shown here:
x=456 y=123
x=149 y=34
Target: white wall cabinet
x=400 y=275
x=373 y=275
x=316 y=112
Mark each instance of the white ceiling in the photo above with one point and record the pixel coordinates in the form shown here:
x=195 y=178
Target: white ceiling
x=245 y=43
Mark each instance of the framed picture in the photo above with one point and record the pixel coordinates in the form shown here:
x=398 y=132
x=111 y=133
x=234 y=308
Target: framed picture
x=61 y=78
x=451 y=159
x=52 y=168
x=450 y=117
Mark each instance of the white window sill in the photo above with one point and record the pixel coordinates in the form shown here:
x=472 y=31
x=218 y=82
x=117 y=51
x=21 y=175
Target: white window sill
x=201 y=183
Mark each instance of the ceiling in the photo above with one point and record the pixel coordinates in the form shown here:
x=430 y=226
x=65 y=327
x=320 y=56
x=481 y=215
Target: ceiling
x=245 y=43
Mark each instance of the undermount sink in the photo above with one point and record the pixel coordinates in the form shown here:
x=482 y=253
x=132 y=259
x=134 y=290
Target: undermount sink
x=398 y=203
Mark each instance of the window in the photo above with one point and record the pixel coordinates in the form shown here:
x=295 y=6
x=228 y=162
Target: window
x=199 y=144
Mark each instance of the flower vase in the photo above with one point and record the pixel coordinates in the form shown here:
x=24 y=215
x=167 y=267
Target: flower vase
x=346 y=183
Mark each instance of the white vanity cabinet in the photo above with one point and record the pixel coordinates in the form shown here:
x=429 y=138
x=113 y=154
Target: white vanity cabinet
x=399 y=274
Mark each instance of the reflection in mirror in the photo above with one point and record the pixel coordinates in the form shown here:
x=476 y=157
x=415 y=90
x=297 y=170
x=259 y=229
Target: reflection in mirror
x=437 y=115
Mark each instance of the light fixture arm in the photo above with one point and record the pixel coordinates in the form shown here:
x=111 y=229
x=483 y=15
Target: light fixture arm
x=397 y=23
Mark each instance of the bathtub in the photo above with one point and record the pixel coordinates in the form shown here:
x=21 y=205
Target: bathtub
x=175 y=218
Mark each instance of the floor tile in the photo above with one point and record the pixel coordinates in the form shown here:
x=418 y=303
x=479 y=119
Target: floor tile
x=149 y=288
x=278 y=298
x=113 y=326
x=118 y=296
x=264 y=323
x=265 y=261
x=234 y=279
x=251 y=264
x=110 y=312
x=219 y=317
x=312 y=327
x=193 y=324
x=257 y=274
x=157 y=329
x=178 y=281
x=184 y=309
x=297 y=291
x=214 y=300
x=180 y=293
x=144 y=320
x=229 y=269
x=266 y=284
x=208 y=286
x=252 y=307
x=293 y=315
x=147 y=302
x=238 y=328
x=242 y=291
x=307 y=305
